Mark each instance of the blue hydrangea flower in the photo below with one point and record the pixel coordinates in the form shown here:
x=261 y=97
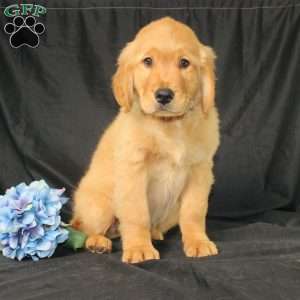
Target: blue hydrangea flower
x=30 y=220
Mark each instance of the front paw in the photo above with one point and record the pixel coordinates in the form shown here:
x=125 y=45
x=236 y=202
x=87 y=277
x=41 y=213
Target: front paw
x=199 y=248
x=98 y=244
x=139 y=254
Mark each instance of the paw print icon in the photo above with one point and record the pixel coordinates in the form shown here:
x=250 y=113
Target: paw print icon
x=24 y=31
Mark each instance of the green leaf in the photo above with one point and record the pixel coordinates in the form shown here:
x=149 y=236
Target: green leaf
x=76 y=239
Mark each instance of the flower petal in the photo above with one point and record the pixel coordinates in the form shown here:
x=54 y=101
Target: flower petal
x=35 y=258
x=63 y=236
x=24 y=238
x=36 y=233
x=20 y=254
x=8 y=252
x=44 y=245
x=13 y=241
x=28 y=218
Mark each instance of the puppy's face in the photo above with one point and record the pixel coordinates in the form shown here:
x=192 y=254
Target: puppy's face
x=166 y=70
x=166 y=80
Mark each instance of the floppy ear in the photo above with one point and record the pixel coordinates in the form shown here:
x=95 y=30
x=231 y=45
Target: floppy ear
x=208 y=78
x=122 y=81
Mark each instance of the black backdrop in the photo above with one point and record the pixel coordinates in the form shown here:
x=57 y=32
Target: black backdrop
x=56 y=100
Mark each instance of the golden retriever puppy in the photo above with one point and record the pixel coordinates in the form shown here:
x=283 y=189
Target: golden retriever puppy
x=152 y=168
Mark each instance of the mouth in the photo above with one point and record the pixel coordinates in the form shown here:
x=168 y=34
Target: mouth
x=166 y=111
x=168 y=117
x=165 y=114
x=161 y=107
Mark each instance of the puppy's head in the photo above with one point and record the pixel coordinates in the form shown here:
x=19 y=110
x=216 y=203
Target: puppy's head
x=166 y=69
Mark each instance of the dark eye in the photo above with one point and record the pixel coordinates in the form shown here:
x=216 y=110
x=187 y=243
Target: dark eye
x=183 y=63
x=148 y=61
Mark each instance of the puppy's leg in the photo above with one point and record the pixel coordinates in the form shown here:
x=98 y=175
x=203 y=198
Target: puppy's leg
x=193 y=212
x=132 y=211
x=93 y=215
x=156 y=234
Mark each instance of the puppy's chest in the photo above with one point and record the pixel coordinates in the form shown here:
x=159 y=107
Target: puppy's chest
x=165 y=184
x=167 y=175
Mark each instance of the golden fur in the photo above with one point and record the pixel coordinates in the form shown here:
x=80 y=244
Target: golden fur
x=152 y=168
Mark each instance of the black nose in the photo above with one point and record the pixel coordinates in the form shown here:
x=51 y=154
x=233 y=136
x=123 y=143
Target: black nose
x=164 y=96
